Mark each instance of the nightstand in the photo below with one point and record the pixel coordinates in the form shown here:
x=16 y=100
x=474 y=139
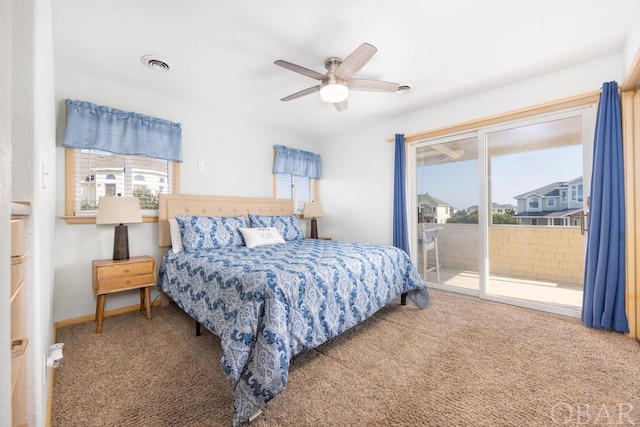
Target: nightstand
x=111 y=276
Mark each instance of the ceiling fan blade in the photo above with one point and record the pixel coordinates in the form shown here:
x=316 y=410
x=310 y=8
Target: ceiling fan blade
x=298 y=69
x=354 y=62
x=342 y=105
x=372 y=85
x=304 y=92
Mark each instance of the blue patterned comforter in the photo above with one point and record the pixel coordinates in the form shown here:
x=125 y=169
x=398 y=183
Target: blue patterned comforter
x=270 y=302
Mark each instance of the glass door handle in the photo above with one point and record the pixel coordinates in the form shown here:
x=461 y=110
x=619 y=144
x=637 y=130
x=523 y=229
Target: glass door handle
x=583 y=219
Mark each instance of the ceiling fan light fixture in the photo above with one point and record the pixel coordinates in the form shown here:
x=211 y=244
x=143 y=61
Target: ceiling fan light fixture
x=334 y=92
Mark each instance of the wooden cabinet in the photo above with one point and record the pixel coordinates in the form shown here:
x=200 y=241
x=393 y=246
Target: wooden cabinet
x=19 y=338
x=116 y=276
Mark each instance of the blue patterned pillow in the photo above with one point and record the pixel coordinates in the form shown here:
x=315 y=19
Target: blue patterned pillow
x=210 y=232
x=287 y=225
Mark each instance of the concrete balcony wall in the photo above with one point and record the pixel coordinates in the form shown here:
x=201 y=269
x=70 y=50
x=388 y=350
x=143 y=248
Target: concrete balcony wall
x=457 y=245
x=547 y=253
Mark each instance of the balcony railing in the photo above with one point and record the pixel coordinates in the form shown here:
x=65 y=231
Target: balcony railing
x=553 y=254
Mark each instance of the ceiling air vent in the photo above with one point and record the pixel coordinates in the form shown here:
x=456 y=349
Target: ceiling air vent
x=403 y=89
x=155 y=63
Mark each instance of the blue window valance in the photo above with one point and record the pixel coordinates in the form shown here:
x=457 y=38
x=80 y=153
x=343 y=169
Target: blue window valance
x=121 y=132
x=296 y=162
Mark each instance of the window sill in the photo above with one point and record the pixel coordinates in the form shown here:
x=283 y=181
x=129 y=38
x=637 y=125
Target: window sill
x=91 y=219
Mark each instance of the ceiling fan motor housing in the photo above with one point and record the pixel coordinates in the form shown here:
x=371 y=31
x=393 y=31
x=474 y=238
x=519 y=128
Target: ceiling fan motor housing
x=332 y=63
x=335 y=88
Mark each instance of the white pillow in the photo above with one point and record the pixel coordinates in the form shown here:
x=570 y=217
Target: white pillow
x=176 y=239
x=261 y=236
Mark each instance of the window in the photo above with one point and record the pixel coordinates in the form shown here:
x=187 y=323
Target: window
x=295 y=176
x=534 y=203
x=300 y=189
x=128 y=164
x=93 y=173
x=551 y=203
x=110 y=190
x=576 y=193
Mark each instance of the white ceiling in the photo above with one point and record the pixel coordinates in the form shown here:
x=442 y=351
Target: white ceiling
x=222 y=52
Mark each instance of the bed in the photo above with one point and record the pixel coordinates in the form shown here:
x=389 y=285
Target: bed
x=269 y=301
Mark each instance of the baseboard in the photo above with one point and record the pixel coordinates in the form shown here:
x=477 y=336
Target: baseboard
x=92 y=317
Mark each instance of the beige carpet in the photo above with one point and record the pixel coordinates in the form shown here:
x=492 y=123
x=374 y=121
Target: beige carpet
x=460 y=362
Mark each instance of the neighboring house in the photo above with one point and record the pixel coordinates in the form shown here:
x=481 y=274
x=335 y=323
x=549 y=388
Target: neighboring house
x=104 y=175
x=433 y=210
x=559 y=204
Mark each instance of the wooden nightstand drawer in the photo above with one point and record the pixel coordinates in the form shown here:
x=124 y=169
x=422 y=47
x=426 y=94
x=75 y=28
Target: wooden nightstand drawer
x=124 y=282
x=112 y=276
x=130 y=269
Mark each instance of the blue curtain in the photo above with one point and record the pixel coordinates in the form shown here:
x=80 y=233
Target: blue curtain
x=296 y=162
x=400 y=233
x=603 y=305
x=121 y=132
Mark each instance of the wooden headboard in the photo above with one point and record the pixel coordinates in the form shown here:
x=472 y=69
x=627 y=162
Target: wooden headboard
x=175 y=204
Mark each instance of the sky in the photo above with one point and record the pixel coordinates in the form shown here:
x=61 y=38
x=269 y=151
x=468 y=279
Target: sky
x=456 y=183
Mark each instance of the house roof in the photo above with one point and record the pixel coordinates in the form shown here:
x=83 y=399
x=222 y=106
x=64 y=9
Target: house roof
x=545 y=191
x=222 y=53
x=547 y=214
x=428 y=200
x=549 y=190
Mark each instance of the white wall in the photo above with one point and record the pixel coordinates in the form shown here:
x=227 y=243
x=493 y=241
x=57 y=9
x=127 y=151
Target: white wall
x=43 y=210
x=32 y=153
x=5 y=199
x=357 y=181
x=238 y=160
x=631 y=46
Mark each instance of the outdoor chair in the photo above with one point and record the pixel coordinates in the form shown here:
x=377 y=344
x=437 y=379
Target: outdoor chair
x=430 y=243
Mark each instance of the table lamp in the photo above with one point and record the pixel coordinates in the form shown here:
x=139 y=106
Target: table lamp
x=119 y=210
x=313 y=210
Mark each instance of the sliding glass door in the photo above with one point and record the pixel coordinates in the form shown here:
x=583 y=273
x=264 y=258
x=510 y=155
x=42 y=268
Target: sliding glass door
x=446 y=211
x=535 y=200
x=498 y=212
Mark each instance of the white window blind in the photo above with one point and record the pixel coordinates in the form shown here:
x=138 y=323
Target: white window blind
x=100 y=173
x=297 y=188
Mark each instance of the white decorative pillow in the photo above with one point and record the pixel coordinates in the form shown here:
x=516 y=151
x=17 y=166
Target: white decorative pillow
x=261 y=236
x=176 y=239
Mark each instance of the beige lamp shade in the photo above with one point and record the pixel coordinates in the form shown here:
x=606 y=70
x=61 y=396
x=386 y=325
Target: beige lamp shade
x=121 y=211
x=313 y=210
x=118 y=210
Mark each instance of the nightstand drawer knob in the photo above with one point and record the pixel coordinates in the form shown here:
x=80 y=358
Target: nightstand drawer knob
x=127 y=270
x=127 y=281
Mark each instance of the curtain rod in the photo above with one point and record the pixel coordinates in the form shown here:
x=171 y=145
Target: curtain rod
x=560 y=104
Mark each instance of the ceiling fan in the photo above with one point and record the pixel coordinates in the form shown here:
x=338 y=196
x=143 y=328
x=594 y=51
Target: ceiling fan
x=335 y=84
